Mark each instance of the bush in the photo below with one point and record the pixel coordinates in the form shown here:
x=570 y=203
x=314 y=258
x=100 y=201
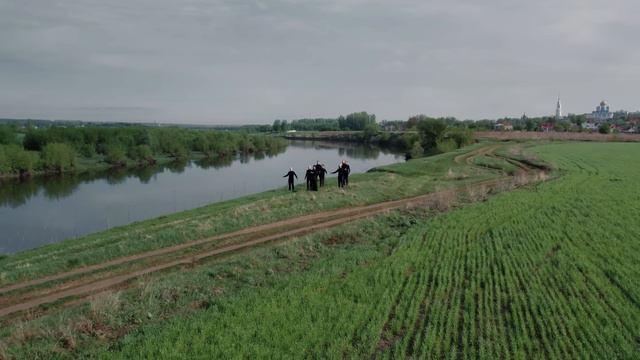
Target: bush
x=142 y=154
x=58 y=157
x=431 y=131
x=115 y=155
x=604 y=129
x=446 y=145
x=88 y=150
x=35 y=140
x=7 y=135
x=5 y=163
x=461 y=136
x=22 y=162
x=177 y=150
x=416 y=150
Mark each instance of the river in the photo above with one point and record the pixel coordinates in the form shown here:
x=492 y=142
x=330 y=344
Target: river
x=45 y=210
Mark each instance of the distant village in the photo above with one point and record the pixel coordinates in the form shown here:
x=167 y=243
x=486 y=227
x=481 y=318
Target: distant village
x=602 y=120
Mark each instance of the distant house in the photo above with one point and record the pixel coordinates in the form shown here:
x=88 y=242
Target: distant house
x=291 y=131
x=503 y=126
x=590 y=125
x=546 y=127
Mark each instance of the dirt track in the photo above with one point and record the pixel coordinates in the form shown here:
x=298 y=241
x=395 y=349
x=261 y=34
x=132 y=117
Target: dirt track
x=88 y=280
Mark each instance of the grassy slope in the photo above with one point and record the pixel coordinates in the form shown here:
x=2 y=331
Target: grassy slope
x=545 y=272
x=392 y=182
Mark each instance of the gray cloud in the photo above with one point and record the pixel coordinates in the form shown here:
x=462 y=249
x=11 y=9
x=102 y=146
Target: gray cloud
x=231 y=61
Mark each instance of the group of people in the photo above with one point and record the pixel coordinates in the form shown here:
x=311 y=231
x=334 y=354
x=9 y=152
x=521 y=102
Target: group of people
x=315 y=175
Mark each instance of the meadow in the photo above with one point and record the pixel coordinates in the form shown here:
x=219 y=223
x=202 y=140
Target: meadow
x=386 y=183
x=543 y=271
x=546 y=272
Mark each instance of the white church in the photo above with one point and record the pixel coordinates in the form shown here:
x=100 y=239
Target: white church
x=602 y=113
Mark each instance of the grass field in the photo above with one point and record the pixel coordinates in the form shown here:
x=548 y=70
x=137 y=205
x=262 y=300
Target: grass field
x=387 y=183
x=547 y=271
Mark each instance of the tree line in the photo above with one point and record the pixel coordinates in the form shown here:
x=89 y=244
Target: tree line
x=354 y=121
x=57 y=149
x=423 y=136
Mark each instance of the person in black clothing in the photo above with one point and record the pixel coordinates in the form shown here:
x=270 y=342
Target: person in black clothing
x=291 y=174
x=340 y=172
x=312 y=179
x=320 y=171
x=346 y=171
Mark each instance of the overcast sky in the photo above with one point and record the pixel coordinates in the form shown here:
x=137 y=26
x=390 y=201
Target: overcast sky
x=235 y=61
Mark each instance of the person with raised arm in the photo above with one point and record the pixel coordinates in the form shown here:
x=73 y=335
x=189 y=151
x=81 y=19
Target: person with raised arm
x=291 y=174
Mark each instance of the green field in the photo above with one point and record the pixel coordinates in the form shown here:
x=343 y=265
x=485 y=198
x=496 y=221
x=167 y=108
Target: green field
x=386 y=183
x=545 y=271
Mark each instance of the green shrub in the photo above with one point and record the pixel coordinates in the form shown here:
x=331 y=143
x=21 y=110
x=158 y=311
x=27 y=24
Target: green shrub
x=22 y=162
x=177 y=150
x=5 y=163
x=446 y=145
x=58 y=157
x=88 y=150
x=115 y=155
x=417 y=150
x=604 y=129
x=461 y=136
x=431 y=131
x=7 y=135
x=142 y=154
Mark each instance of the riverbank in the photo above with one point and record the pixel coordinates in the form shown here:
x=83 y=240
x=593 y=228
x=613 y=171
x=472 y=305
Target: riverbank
x=399 y=140
x=452 y=179
x=99 y=163
x=381 y=184
x=96 y=201
x=24 y=152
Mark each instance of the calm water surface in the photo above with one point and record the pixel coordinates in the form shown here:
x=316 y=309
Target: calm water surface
x=46 y=210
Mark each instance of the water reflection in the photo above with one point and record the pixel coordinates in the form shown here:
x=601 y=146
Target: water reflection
x=16 y=192
x=350 y=150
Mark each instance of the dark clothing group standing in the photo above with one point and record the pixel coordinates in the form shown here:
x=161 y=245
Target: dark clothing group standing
x=343 y=172
x=314 y=176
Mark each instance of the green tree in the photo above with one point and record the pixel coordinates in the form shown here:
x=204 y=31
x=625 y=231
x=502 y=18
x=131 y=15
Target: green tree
x=58 y=157
x=276 y=126
x=22 y=162
x=604 y=128
x=7 y=135
x=142 y=154
x=461 y=136
x=416 y=150
x=5 y=163
x=356 y=121
x=177 y=149
x=371 y=130
x=431 y=131
x=115 y=155
x=446 y=145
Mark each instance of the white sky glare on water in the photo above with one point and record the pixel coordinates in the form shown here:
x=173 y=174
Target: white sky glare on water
x=236 y=62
